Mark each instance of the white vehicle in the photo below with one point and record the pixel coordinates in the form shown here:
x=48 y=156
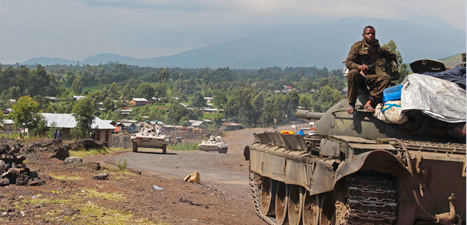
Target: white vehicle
x=214 y=144
x=150 y=136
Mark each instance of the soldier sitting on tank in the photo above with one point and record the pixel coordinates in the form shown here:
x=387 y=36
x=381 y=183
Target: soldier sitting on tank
x=212 y=138
x=361 y=63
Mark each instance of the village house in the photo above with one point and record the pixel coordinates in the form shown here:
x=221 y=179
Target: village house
x=7 y=126
x=7 y=111
x=65 y=122
x=52 y=99
x=127 y=126
x=138 y=102
x=209 y=99
x=231 y=126
x=209 y=110
x=78 y=97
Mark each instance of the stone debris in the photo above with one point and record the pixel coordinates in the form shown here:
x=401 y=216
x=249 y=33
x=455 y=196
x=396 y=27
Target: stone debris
x=12 y=167
x=56 y=148
x=101 y=176
x=72 y=160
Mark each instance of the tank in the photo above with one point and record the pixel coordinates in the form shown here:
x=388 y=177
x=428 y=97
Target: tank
x=214 y=144
x=356 y=169
x=150 y=136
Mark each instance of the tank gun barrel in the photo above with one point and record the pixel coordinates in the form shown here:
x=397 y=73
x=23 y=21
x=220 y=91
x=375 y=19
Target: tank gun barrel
x=308 y=115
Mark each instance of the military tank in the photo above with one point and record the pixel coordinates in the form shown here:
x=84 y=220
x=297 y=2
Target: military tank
x=357 y=169
x=150 y=136
x=214 y=144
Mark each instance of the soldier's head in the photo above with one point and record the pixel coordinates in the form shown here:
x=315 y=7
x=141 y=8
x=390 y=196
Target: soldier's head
x=369 y=34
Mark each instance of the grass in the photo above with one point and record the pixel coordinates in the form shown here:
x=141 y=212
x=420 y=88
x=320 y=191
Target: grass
x=65 y=177
x=113 y=196
x=184 y=147
x=93 y=151
x=80 y=201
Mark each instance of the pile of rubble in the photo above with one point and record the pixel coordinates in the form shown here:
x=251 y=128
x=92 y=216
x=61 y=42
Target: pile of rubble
x=12 y=156
x=12 y=167
x=54 y=148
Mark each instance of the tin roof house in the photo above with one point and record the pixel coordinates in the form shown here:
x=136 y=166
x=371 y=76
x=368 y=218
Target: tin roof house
x=65 y=122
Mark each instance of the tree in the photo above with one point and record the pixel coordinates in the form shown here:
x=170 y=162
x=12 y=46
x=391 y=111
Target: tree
x=108 y=104
x=163 y=75
x=113 y=93
x=403 y=68
x=198 y=100
x=220 y=99
x=78 y=85
x=25 y=114
x=325 y=98
x=305 y=101
x=145 y=90
x=160 y=91
x=126 y=92
x=83 y=111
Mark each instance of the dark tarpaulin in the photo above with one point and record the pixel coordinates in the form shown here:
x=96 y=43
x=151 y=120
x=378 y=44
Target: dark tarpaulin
x=455 y=75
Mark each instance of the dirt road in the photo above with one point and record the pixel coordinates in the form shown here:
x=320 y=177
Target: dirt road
x=227 y=170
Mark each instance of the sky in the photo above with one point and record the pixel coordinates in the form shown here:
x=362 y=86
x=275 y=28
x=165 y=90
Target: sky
x=77 y=29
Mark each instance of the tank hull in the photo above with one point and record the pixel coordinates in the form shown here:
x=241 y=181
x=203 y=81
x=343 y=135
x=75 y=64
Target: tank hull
x=417 y=179
x=221 y=148
x=149 y=141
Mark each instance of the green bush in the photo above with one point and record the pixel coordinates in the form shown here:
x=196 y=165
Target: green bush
x=122 y=166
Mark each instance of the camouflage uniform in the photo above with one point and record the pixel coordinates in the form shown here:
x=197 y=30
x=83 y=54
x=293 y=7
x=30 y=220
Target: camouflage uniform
x=363 y=53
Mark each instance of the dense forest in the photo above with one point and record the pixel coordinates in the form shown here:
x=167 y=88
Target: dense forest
x=250 y=97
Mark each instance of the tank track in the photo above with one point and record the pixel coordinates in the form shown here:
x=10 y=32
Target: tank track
x=255 y=192
x=371 y=200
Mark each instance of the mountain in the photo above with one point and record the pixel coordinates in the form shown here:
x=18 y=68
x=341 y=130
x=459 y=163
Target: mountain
x=49 y=61
x=315 y=44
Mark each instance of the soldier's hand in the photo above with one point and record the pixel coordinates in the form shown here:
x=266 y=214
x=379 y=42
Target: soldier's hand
x=363 y=68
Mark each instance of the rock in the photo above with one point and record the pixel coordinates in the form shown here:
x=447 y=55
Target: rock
x=60 y=153
x=91 y=165
x=72 y=160
x=4 y=181
x=101 y=176
x=36 y=182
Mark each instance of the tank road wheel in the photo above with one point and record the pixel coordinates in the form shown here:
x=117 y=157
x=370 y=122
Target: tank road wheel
x=311 y=207
x=135 y=146
x=295 y=204
x=268 y=196
x=164 y=149
x=281 y=204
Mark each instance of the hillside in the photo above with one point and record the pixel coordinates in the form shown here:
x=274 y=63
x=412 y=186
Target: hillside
x=453 y=60
x=313 y=44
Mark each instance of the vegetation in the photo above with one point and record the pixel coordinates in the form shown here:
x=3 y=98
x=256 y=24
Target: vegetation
x=184 y=146
x=26 y=115
x=122 y=166
x=83 y=111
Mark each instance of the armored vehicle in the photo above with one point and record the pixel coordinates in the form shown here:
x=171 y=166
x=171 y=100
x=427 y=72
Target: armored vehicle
x=214 y=144
x=357 y=169
x=150 y=136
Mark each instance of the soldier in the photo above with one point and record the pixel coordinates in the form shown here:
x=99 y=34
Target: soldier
x=361 y=63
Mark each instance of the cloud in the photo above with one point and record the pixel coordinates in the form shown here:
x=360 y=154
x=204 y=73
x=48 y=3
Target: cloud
x=76 y=29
